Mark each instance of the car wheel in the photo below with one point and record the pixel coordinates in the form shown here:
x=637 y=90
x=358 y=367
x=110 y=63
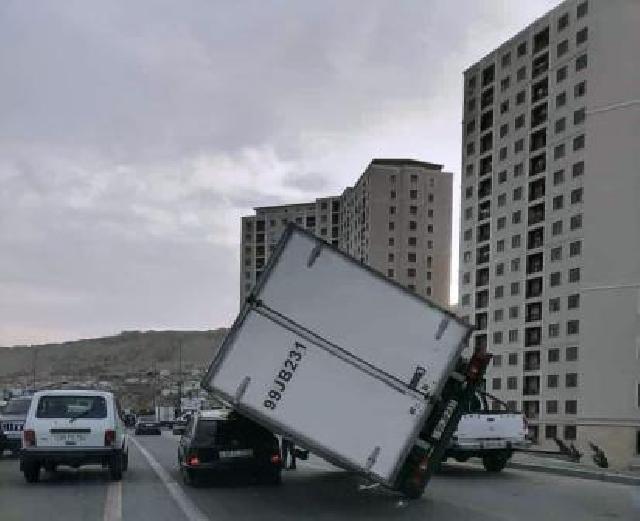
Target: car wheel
x=115 y=467
x=495 y=462
x=31 y=472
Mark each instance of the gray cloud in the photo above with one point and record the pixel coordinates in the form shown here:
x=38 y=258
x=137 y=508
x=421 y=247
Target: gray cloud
x=135 y=134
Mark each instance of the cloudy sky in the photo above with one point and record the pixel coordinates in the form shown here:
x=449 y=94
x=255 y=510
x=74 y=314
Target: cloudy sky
x=133 y=136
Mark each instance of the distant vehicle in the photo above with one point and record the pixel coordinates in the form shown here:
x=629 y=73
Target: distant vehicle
x=75 y=428
x=179 y=426
x=489 y=434
x=130 y=419
x=348 y=364
x=165 y=415
x=147 y=425
x=223 y=442
x=12 y=419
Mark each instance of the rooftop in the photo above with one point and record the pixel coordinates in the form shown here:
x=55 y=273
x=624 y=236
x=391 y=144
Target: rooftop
x=405 y=162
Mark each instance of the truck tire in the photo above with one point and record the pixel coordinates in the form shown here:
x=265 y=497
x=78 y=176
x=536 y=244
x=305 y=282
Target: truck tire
x=115 y=467
x=31 y=471
x=495 y=462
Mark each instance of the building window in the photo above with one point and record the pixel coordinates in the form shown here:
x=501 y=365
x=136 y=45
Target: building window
x=554 y=305
x=578 y=142
x=496 y=384
x=412 y=241
x=513 y=336
x=390 y=273
x=522 y=49
x=558 y=152
x=556 y=254
x=571 y=354
x=502 y=177
x=499 y=292
x=558 y=177
x=553 y=355
x=571 y=380
x=579 y=116
x=558 y=202
x=552 y=381
x=504 y=83
x=392 y=210
x=502 y=200
x=551 y=432
x=515 y=265
x=390 y=257
x=504 y=107
x=576 y=196
x=576 y=222
x=575 y=248
x=515 y=241
x=556 y=228
x=411 y=257
x=514 y=311
x=563 y=22
x=520 y=97
x=570 y=432
x=392 y=226
x=560 y=125
x=516 y=217
x=515 y=288
x=555 y=279
x=500 y=245
x=582 y=9
x=413 y=194
x=580 y=89
x=554 y=330
x=552 y=407
x=413 y=225
x=411 y=272
x=570 y=407
x=497 y=337
x=504 y=130
x=521 y=74
x=581 y=62
x=561 y=99
x=517 y=194
x=518 y=169
x=413 y=210
x=563 y=48
x=518 y=146
x=513 y=358
x=573 y=327
x=519 y=122
x=561 y=74
x=578 y=169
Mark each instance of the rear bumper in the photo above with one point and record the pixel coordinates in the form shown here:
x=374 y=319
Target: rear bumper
x=234 y=466
x=71 y=455
x=488 y=445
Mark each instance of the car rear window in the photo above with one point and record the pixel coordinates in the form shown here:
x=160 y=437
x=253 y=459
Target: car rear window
x=17 y=407
x=243 y=431
x=71 y=406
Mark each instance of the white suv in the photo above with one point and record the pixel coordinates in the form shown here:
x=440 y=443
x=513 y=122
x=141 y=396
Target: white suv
x=73 y=427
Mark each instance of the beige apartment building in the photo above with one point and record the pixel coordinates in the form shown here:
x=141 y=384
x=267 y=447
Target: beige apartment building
x=396 y=219
x=550 y=224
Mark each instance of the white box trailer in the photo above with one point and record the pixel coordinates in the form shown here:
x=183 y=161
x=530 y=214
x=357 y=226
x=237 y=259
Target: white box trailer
x=347 y=363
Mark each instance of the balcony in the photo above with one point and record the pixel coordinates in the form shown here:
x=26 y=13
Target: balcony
x=483 y=232
x=531 y=386
x=531 y=409
x=484 y=210
x=482 y=277
x=480 y=342
x=535 y=238
x=486 y=120
x=540 y=90
x=534 y=263
x=486 y=165
x=484 y=188
x=538 y=164
x=541 y=40
x=532 y=361
x=486 y=99
x=536 y=190
x=540 y=65
x=482 y=299
x=533 y=312
x=538 y=140
x=486 y=142
x=534 y=287
x=532 y=336
x=536 y=214
x=481 y=321
x=482 y=254
x=539 y=114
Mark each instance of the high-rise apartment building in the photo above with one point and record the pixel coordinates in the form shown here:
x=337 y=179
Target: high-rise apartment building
x=550 y=223
x=396 y=219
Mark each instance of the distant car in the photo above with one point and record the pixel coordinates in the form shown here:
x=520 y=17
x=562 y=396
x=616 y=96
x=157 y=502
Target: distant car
x=12 y=419
x=179 y=426
x=223 y=442
x=147 y=425
x=73 y=427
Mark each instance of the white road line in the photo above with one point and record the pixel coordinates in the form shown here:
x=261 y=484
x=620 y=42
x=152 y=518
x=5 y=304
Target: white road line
x=188 y=507
x=113 y=502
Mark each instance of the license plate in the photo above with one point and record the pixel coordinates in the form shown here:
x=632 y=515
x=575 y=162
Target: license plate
x=498 y=444
x=70 y=438
x=236 y=453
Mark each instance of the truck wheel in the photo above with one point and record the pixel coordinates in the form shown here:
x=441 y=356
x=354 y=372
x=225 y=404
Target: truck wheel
x=115 y=467
x=495 y=462
x=31 y=472
x=412 y=489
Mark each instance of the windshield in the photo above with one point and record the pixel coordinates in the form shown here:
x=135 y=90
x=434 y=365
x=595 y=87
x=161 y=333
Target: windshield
x=245 y=432
x=17 y=407
x=71 y=406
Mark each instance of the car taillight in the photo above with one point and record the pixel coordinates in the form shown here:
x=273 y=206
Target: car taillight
x=193 y=460
x=275 y=459
x=109 y=437
x=29 y=437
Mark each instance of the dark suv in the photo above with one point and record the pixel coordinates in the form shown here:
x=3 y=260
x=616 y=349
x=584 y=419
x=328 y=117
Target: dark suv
x=223 y=443
x=12 y=418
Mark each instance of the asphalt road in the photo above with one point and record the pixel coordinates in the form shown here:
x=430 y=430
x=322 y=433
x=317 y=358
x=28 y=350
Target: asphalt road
x=152 y=490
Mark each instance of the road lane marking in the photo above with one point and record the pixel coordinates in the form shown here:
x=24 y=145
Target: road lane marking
x=188 y=507
x=113 y=502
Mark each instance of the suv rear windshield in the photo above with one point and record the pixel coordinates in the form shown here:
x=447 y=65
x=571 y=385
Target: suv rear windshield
x=245 y=432
x=17 y=407
x=71 y=406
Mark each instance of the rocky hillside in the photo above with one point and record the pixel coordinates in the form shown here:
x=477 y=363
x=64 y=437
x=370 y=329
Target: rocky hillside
x=127 y=353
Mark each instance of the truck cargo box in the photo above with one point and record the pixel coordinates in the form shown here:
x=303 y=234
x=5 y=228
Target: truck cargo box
x=337 y=357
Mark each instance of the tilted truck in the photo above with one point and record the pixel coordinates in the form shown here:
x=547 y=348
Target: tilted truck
x=348 y=364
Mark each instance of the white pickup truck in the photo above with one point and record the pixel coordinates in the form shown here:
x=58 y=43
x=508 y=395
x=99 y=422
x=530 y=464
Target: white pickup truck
x=489 y=434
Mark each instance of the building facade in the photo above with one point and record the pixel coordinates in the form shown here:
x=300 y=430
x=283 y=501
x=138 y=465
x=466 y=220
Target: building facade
x=396 y=219
x=550 y=213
